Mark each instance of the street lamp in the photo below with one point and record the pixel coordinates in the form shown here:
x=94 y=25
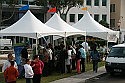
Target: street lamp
x=119 y=25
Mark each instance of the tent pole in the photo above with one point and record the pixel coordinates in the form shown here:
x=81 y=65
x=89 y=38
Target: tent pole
x=65 y=48
x=107 y=42
x=65 y=40
x=85 y=41
x=53 y=41
x=36 y=44
x=107 y=46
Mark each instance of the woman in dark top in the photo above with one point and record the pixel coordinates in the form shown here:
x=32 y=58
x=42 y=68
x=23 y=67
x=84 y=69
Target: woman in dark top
x=95 y=58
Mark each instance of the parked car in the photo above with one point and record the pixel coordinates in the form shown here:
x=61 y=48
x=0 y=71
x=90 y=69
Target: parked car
x=5 y=44
x=115 y=60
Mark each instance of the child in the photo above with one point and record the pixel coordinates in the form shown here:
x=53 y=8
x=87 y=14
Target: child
x=28 y=71
x=11 y=73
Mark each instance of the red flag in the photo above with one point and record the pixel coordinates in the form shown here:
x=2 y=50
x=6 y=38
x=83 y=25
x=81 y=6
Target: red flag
x=52 y=10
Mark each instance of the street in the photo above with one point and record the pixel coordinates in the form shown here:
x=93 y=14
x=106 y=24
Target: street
x=108 y=79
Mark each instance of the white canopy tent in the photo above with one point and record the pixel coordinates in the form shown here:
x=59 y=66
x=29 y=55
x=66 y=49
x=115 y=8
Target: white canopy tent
x=93 y=28
x=30 y=26
x=57 y=23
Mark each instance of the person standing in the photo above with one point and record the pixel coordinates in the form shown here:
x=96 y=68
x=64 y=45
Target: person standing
x=69 y=59
x=44 y=56
x=95 y=57
x=28 y=71
x=11 y=73
x=73 y=58
x=82 y=57
x=78 y=68
x=7 y=63
x=24 y=55
x=63 y=55
x=50 y=63
x=37 y=66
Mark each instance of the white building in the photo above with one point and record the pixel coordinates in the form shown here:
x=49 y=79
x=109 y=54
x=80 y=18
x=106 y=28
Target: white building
x=99 y=9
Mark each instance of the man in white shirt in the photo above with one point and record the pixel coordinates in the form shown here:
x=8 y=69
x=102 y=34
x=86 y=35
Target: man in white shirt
x=86 y=46
x=7 y=63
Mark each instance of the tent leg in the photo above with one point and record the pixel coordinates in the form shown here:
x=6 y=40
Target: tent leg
x=64 y=41
x=107 y=42
x=107 y=47
x=36 y=44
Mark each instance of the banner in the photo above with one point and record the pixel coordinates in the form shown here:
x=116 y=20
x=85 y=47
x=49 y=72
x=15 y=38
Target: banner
x=26 y=7
x=17 y=51
x=52 y=10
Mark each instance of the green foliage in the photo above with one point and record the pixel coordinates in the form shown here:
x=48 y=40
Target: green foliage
x=62 y=5
x=2 y=78
x=104 y=23
x=65 y=3
x=19 y=44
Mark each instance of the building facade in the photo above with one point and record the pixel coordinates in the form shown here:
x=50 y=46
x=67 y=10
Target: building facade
x=117 y=20
x=99 y=10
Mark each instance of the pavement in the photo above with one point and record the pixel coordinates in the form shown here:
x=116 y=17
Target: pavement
x=83 y=77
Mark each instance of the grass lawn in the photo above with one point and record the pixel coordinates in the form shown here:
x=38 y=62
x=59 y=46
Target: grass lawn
x=54 y=76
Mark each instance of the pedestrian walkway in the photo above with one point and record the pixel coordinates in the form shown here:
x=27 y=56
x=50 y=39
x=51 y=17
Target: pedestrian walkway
x=81 y=78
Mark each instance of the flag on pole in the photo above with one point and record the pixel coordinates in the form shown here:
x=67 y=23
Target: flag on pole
x=26 y=7
x=85 y=8
x=52 y=9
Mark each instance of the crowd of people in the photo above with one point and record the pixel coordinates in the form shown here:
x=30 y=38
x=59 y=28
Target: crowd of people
x=61 y=58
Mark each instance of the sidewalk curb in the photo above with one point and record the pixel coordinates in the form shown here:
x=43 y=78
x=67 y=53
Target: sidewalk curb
x=92 y=78
x=83 y=77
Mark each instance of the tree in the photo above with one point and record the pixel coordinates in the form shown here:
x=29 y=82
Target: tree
x=63 y=6
x=11 y=4
x=104 y=23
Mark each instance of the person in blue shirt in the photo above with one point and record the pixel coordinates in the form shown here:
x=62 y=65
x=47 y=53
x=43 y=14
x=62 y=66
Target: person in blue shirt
x=82 y=57
x=95 y=59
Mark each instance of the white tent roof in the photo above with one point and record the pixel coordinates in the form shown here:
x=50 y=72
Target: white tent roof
x=57 y=23
x=93 y=28
x=29 y=26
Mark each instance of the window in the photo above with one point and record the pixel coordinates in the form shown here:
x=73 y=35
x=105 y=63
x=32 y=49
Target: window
x=88 y=2
x=117 y=52
x=96 y=17
x=112 y=22
x=28 y=2
x=112 y=8
x=72 y=17
x=104 y=2
x=96 y=2
x=104 y=17
x=80 y=16
x=24 y=2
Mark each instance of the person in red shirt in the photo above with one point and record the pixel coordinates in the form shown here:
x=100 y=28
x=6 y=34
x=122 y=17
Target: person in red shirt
x=37 y=66
x=11 y=73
